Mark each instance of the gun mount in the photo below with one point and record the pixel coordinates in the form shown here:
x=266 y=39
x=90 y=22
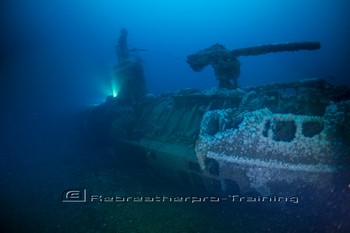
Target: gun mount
x=226 y=64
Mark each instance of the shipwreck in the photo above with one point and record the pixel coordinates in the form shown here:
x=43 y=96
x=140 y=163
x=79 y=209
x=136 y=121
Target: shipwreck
x=275 y=139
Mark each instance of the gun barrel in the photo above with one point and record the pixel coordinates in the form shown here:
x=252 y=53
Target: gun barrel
x=274 y=48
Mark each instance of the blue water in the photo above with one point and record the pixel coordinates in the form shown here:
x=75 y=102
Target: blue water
x=56 y=57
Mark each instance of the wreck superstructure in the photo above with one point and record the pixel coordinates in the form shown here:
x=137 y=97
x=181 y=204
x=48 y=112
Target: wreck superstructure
x=274 y=139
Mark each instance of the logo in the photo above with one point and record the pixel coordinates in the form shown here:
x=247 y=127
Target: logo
x=80 y=195
x=74 y=195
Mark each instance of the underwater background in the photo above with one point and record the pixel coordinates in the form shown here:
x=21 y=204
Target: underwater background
x=56 y=59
